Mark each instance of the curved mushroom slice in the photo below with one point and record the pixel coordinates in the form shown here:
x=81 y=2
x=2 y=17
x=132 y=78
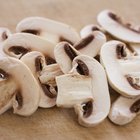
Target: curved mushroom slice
x=64 y=55
x=45 y=76
x=15 y=84
x=91 y=44
x=122 y=67
x=81 y=89
x=4 y=34
x=49 y=29
x=19 y=44
x=115 y=25
x=124 y=110
x=89 y=29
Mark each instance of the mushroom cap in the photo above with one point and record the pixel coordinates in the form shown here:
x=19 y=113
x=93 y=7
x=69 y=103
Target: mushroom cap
x=43 y=76
x=20 y=43
x=26 y=96
x=120 y=112
x=118 y=69
x=48 y=29
x=114 y=25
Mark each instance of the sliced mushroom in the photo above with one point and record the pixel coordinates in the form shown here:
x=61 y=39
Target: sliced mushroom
x=19 y=44
x=48 y=29
x=4 y=34
x=64 y=55
x=89 y=29
x=116 y=26
x=45 y=76
x=91 y=44
x=18 y=87
x=81 y=89
x=124 y=110
x=122 y=67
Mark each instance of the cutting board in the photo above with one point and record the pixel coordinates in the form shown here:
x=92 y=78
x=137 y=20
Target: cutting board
x=57 y=123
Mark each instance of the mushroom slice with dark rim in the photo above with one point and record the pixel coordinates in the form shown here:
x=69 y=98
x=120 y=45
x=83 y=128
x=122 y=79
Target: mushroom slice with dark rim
x=19 y=44
x=45 y=76
x=124 y=110
x=49 y=29
x=80 y=88
x=18 y=87
x=117 y=27
x=122 y=65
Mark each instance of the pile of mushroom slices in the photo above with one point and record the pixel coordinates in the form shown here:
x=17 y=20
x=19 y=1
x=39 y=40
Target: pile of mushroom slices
x=47 y=63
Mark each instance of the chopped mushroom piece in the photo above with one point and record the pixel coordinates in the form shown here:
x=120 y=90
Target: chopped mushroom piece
x=49 y=29
x=124 y=110
x=116 y=26
x=18 y=87
x=45 y=76
x=19 y=44
x=81 y=89
x=122 y=67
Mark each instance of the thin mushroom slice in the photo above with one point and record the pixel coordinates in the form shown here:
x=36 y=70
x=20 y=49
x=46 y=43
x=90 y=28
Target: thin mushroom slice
x=4 y=34
x=45 y=76
x=49 y=29
x=19 y=85
x=91 y=44
x=89 y=29
x=93 y=103
x=19 y=44
x=117 y=27
x=124 y=110
x=122 y=67
x=64 y=55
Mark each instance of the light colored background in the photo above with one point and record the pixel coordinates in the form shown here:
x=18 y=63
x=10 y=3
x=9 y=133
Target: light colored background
x=61 y=124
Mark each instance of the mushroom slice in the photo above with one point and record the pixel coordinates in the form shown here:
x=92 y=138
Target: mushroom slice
x=4 y=34
x=19 y=44
x=91 y=44
x=45 y=76
x=18 y=83
x=116 y=26
x=122 y=67
x=81 y=90
x=49 y=29
x=64 y=55
x=89 y=29
x=124 y=110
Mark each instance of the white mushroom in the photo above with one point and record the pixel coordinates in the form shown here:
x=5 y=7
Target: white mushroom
x=18 y=87
x=45 y=76
x=115 y=25
x=64 y=55
x=81 y=89
x=124 y=110
x=4 y=34
x=121 y=63
x=89 y=29
x=91 y=44
x=20 y=43
x=48 y=29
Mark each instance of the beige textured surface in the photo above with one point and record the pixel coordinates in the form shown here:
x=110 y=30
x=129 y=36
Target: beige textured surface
x=61 y=124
